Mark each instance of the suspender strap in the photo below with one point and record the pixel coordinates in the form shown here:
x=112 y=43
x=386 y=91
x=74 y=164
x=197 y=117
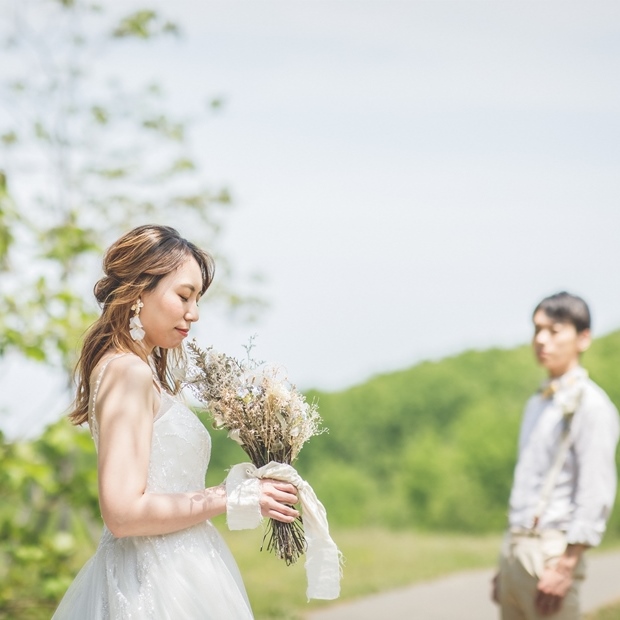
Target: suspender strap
x=558 y=463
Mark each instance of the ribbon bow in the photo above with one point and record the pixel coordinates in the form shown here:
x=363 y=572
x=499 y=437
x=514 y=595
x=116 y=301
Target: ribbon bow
x=323 y=559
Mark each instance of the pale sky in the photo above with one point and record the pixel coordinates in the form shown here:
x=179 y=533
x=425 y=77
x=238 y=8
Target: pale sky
x=410 y=177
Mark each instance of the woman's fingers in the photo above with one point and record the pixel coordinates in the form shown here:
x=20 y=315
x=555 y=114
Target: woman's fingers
x=278 y=499
x=283 y=492
x=279 y=515
x=276 y=510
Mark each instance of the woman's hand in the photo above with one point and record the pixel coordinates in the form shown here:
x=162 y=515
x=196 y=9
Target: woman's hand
x=277 y=500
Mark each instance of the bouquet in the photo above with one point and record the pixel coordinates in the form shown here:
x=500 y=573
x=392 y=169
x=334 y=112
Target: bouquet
x=264 y=414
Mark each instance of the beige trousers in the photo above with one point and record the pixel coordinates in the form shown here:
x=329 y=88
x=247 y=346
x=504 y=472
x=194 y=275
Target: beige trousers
x=522 y=560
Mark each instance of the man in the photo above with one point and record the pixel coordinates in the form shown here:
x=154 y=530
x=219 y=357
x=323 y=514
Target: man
x=565 y=479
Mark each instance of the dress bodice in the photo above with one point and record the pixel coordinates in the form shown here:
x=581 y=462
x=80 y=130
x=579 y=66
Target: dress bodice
x=180 y=449
x=180 y=445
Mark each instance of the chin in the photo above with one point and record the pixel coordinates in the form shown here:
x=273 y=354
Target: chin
x=550 y=368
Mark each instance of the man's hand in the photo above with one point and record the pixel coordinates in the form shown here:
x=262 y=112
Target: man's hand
x=495 y=588
x=557 y=580
x=552 y=588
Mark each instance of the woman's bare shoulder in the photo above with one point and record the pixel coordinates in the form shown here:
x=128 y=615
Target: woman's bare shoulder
x=126 y=380
x=124 y=368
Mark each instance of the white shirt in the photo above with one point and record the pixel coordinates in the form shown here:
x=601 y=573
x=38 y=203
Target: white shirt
x=585 y=489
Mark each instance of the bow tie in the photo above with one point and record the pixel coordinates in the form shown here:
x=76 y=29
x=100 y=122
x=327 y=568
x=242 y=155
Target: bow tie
x=549 y=389
x=573 y=379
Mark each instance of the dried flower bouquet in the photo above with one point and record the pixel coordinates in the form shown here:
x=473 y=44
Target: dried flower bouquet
x=263 y=413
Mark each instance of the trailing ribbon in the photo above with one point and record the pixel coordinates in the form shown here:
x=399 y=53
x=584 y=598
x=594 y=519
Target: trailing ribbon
x=323 y=559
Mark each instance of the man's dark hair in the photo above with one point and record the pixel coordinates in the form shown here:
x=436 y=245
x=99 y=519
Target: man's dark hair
x=566 y=308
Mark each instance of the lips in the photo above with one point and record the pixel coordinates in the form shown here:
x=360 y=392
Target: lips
x=183 y=332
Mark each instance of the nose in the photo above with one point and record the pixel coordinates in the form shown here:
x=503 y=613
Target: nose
x=541 y=337
x=193 y=314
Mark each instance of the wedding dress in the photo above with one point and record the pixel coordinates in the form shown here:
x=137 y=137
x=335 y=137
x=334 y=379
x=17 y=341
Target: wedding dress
x=190 y=574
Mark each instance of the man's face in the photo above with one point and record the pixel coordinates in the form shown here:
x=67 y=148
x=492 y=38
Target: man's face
x=557 y=345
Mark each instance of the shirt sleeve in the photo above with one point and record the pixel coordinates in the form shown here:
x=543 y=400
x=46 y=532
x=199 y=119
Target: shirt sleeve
x=596 y=429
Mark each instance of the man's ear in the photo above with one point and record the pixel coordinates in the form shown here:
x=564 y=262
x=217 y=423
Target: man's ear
x=584 y=340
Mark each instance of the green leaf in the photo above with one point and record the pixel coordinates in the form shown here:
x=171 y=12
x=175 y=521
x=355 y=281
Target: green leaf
x=100 y=115
x=171 y=28
x=41 y=132
x=183 y=164
x=9 y=138
x=113 y=173
x=161 y=124
x=65 y=243
x=143 y=24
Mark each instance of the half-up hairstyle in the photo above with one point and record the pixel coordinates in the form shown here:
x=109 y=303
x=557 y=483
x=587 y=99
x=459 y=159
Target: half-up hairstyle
x=133 y=265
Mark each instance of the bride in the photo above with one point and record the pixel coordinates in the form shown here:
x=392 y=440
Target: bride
x=159 y=556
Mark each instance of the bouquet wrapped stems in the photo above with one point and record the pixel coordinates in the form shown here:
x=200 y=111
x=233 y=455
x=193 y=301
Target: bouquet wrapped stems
x=286 y=540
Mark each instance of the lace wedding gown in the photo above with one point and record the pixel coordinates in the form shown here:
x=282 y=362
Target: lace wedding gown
x=190 y=574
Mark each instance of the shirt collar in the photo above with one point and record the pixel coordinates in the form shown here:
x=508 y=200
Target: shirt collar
x=550 y=387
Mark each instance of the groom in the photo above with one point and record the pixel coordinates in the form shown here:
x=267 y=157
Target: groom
x=565 y=479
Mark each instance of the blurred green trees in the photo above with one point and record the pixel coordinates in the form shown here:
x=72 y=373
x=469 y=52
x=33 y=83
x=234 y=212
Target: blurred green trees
x=48 y=518
x=86 y=152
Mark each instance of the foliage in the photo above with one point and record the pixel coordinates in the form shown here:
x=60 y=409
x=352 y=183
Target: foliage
x=437 y=439
x=609 y=612
x=49 y=518
x=84 y=157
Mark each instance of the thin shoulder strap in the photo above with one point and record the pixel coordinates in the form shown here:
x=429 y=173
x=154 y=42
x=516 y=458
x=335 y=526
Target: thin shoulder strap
x=92 y=420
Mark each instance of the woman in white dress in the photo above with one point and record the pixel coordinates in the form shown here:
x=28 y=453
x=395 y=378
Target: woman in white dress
x=159 y=556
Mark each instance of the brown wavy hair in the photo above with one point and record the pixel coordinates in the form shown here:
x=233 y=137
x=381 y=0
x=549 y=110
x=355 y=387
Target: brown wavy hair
x=133 y=265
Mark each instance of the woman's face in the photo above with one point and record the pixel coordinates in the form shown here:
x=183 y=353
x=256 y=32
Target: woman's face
x=171 y=307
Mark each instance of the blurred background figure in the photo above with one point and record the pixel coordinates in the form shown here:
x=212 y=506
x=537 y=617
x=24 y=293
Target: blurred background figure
x=565 y=479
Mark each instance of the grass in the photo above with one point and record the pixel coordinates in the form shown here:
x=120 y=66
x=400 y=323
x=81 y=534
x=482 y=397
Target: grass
x=375 y=560
x=610 y=612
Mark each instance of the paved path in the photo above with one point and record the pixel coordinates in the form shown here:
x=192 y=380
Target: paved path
x=465 y=596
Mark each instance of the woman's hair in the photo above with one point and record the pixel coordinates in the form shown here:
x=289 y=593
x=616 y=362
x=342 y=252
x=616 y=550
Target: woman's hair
x=566 y=308
x=132 y=265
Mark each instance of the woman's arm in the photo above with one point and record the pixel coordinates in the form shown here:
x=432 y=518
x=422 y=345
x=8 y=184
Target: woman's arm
x=125 y=409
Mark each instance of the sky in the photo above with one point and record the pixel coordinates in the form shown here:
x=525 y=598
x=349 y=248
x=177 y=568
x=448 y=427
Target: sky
x=410 y=178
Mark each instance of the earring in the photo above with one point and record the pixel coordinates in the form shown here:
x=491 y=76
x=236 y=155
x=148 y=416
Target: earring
x=135 y=325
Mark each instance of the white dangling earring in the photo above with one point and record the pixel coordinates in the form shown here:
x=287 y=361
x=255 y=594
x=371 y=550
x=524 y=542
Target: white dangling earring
x=136 y=330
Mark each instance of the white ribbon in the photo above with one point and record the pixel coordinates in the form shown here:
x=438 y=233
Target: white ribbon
x=323 y=559
x=242 y=498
